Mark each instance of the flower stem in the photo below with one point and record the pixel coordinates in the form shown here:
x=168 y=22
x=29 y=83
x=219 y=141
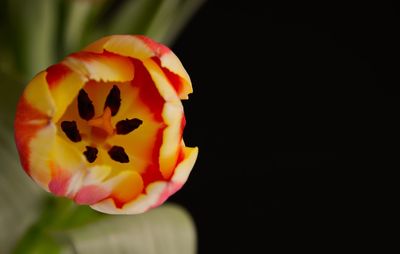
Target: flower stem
x=59 y=214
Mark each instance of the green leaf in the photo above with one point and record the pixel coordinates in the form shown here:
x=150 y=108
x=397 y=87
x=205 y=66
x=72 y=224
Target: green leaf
x=6 y=59
x=20 y=198
x=77 y=16
x=34 y=26
x=162 y=19
x=134 y=16
x=37 y=242
x=81 y=17
x=58 y=214
x=181 y=17
x=167 y=229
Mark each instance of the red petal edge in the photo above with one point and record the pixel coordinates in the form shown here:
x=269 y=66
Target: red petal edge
x=24 y=131
x=56 y=73
x=157 y=48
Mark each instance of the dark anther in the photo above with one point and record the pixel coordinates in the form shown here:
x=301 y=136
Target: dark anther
x=71 y=130
x=117 y=153
x=113 y=100
x=128 y=125
x=90 y=153
x=85 y=106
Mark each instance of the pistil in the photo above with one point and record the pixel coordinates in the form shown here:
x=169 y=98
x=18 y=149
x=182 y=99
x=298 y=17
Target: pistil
x=103 y=122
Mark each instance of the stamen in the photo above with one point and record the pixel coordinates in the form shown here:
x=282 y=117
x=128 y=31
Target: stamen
x=113 y=100
x=117 y=153
x=71 y=130
x=85 y=106
x=90 y=153
x=128 y=125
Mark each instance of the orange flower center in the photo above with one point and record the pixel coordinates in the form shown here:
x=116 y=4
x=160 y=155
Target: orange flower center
x=81 y=125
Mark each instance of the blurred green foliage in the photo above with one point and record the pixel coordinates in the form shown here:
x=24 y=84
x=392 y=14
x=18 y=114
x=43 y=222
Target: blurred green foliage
x=34 y=35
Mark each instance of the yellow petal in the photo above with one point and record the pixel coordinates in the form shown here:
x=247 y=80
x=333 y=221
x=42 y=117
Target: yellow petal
x=172 y=115
x=172 y=63
x=155 y=191
x=38 y=95
x=67 y=156
x=127 y=186
x=40 y=147
x=185 y=166
x=97 y=174
x=64 y=88
x=97 y=46
x=124 y=45
x=172 y=137
x=101 y=67
x=141 y=204
x=47 y=151
x=142 y=48
x=161 y=82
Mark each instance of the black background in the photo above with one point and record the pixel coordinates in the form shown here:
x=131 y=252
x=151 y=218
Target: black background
x=293 y=105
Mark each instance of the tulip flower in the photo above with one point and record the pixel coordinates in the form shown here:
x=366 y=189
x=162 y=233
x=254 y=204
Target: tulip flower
x=104 y=126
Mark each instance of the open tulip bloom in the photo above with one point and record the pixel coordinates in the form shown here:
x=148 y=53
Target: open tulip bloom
x=104 y=126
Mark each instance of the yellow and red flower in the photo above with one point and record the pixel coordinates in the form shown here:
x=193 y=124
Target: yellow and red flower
x=104 y=126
